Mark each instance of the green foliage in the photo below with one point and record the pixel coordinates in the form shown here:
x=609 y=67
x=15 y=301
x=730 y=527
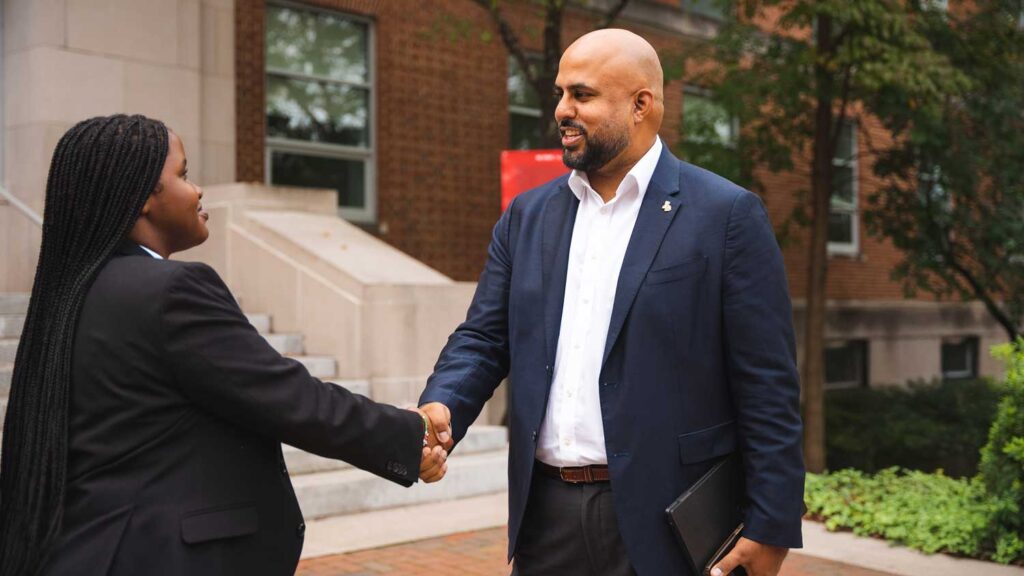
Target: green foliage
x=924 y=426
x=954 y=187
x=929 y=512
x=981 y=517
x=1002 y=459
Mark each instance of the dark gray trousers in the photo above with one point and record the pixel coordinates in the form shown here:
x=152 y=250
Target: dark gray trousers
x=570 y=530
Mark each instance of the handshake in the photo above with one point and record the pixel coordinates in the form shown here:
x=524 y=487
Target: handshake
x=437 y=440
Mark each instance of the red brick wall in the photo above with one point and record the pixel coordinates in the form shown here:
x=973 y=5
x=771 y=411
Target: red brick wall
x=442 y=121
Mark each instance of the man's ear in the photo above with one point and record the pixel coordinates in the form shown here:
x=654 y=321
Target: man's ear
x=643 y=103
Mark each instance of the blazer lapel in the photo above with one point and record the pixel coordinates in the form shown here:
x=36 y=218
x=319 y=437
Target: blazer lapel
x=556 y=236
x=652 y=223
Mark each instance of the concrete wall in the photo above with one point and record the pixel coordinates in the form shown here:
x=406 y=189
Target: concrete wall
x=381 y=314
x=68 y=60
x=905 y=337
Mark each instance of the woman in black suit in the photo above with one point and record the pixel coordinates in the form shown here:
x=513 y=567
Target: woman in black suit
x=146 y=414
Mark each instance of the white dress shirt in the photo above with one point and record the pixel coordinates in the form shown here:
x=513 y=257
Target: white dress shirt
x=151 y=253
x=572 y=433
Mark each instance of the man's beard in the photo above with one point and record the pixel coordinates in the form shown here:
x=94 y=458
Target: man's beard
x=596 y=151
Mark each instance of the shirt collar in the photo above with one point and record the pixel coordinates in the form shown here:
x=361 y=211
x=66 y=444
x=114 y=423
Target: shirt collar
x=641 y=173
x=151 y=253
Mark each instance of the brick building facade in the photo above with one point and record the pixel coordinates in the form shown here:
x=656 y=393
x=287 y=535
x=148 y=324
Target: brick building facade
x=404 y=107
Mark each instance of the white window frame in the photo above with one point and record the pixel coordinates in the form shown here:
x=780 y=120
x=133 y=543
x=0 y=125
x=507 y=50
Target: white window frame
x=851 y=248
x=517 y=110
x=367 y=214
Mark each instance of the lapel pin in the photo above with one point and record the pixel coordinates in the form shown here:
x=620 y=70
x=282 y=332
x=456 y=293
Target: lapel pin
x=666 y=207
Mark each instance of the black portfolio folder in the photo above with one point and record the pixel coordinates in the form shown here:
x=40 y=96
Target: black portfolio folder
x=708 y=518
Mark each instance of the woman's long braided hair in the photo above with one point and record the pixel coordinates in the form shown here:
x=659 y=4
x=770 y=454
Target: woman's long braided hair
x=102 y=172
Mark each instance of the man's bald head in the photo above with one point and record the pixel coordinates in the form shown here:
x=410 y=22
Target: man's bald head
x=622 y=54
x=611 y=102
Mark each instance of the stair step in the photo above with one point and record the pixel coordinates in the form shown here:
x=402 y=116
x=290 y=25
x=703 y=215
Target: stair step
x=13 y=303
x=6 y=371
x=260 y=321
x=8 y=350
x=319 y=366
x=286 y=343
x=353 y=490
x=478 y=439
x=11 y=325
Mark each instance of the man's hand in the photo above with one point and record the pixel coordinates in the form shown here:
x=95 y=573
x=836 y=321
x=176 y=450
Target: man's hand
x=440 y=423
x=758 y=559
x=434 y=459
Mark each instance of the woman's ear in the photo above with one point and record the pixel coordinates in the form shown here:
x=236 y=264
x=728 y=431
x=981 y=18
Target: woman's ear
x=149 y=203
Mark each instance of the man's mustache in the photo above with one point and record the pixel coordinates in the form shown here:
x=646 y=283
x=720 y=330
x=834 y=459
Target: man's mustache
x=570 y=124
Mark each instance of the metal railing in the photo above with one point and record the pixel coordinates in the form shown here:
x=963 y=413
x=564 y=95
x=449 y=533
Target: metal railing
x=21 y=206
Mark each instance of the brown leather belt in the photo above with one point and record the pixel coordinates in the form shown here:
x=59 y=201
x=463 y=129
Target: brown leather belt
x=575 y=474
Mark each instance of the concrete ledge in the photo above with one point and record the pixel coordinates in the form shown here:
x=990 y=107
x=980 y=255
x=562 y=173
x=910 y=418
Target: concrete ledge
x=349 y=491
x=342 y=534
x=11 y=325
x=6 y=371
x=8 y=350
x=13 y=303
x=319 y=366
x=261 y=322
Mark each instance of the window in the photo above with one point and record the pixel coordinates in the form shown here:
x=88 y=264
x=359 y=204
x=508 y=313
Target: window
x=846 y=364
x=711 y=134
x=319 y=105
x=959 y=358
x=715 y=9
x=843 y=233
x=523 y=109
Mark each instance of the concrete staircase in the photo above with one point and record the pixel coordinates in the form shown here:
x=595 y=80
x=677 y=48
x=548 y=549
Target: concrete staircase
x=326 y=487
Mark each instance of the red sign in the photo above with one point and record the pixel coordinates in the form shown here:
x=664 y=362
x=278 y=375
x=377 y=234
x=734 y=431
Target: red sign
x=522 y=170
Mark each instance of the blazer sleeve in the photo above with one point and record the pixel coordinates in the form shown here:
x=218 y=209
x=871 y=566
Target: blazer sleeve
x=221 y=363
x=476 y=357
x=760 y=361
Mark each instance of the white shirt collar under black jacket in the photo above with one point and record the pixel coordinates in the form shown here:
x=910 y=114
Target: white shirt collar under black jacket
x=151 y=253
x=572 y=433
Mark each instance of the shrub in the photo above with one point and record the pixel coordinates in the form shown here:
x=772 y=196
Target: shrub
x=1002 y=459
x=923 y=426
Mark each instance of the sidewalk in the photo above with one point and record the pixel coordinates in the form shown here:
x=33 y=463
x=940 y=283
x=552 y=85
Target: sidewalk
x=468 y=537
x=482 y=553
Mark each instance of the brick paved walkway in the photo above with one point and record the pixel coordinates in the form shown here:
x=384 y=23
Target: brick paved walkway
x=482 y=553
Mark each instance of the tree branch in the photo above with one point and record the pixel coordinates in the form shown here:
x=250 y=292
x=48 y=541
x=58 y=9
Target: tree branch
x=612 y=15
x=509 y=38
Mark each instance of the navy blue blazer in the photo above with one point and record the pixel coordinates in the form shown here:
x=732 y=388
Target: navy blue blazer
x=699 y=360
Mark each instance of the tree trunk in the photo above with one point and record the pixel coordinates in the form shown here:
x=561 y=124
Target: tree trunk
x=817 y=261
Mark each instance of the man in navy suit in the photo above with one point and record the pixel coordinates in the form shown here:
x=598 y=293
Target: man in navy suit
x=640 y=310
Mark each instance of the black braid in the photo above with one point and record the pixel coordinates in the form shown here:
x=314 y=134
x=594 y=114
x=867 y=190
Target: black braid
x=102 y=172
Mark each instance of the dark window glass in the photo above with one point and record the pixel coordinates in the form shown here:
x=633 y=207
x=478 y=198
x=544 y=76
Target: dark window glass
x=960 y=358
x=523 y=110
x=846 y=364
x=348 y=177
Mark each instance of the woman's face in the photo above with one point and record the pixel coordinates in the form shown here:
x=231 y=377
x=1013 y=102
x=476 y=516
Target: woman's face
x=175 y=209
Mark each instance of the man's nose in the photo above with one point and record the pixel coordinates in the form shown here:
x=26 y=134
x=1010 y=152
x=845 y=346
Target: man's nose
x=564 y=110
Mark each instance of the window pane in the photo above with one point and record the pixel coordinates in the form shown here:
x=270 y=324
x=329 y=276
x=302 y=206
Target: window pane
x=846 y=364
x=710 y=8
x=317 y=111
x=520 y=93
x=846 y=147
x=840 y=228
x=524 y=132
x=706 y=122
x=958 y=358
x=843 y=185
x=348 y=177
x=317 y=43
